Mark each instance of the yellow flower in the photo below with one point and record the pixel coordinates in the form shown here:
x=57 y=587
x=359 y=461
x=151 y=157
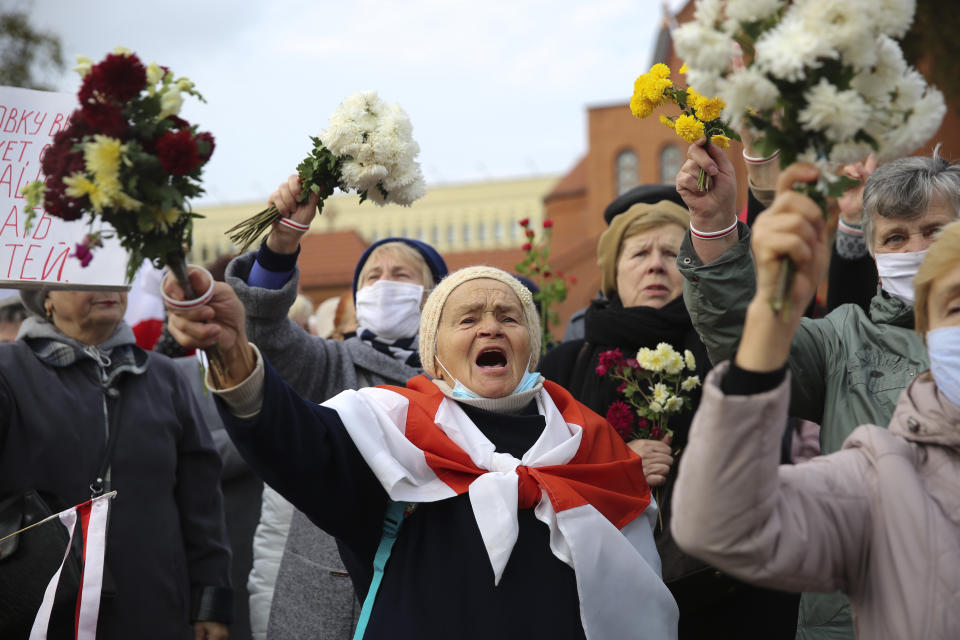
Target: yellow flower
x=689 y=128
x=640 y=107
x=693 y=97
x=684 y=68
x=122 y=51
x=125 y=202
x=721 y=141
x=166 y=218
x=170 y=103
x=660 y=71
x=708 y=109
x=155 y=74
x=84 y=64
x=673 y=404
x=667 y=122
x=653 y=89
x=184 y=84
x=78 y=185
x=102 y=156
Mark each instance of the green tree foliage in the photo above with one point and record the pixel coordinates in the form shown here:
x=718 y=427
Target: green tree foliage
x=25 y=52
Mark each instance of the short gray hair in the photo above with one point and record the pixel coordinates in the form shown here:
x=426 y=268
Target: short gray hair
x=905 y=188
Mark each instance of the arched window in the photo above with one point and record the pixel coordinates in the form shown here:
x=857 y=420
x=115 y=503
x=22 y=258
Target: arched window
x=465 y=233
x=435 y=235
x=451 y=234
x=481 y=233
x=671 y=159
x=498 y=231
x=628 y=171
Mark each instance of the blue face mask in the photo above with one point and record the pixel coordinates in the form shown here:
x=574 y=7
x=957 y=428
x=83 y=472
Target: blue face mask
x=944 y=348
x=462 y=392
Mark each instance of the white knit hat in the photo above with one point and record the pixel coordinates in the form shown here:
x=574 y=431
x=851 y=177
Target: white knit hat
x=432 y=308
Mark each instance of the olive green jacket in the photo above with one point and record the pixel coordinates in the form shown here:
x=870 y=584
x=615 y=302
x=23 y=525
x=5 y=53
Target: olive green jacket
x=847 y=369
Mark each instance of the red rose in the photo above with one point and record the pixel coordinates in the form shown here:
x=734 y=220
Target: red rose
x=178 y=152
x=547 y=274
x=205 y=144
x=547 y=224
x=530 y=233
x=117 y=77
x=620 y=417
x=526 y=246
x=105 y=118
x=525 y=222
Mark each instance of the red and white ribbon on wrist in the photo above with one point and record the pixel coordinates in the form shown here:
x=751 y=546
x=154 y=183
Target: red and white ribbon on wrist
x=188 y=304
x=848 y=228
x=293 y=224
x=756 y=161
x=714 y=235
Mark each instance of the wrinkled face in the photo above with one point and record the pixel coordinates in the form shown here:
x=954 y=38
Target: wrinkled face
x=80 y=312
x=897 y=235
x=482 y=340
x=390 y=265
x=943 y=305
x=647 y=273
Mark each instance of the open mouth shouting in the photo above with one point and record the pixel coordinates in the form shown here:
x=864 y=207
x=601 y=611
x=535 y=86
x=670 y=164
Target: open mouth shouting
x=492 y=358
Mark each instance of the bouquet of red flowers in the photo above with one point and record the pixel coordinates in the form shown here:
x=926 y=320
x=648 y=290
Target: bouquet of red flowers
x=126 y=158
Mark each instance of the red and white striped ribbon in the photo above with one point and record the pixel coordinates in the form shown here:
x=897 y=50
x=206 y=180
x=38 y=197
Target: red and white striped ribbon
x=93 y=516
x=293 y=224
x=188 y=304
x=714 y=235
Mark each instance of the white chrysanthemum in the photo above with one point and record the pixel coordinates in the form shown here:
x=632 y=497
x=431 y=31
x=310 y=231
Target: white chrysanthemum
x=923 y=122
x=674 y=403
x=849 y=152
x=666 y=349
x=893 y=17
x=788 y=50
x=660 y=392
x=378 y=140
x=743 y=90
x=877 y=84
x=703 y=48
x=839 y=114
x=674 y=364
x=656 y=407
x=708 y=12
x=707 y=83
x=752 y=10
x=908 y=91
x=170 y=103
x=690 y=383
x=690 y=360
x=845 y=27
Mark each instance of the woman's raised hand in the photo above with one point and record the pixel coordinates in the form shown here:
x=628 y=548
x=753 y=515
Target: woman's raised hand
x=219 y=322
x=282 y=238
x=711 y=210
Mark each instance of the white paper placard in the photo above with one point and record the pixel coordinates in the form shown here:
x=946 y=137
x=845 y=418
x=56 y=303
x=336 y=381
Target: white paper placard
x=28 y=121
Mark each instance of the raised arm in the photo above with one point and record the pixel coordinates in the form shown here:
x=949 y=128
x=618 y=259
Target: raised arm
x=791 y=528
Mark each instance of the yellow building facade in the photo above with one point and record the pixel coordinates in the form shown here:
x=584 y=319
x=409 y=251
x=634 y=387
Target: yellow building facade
x=452 y=218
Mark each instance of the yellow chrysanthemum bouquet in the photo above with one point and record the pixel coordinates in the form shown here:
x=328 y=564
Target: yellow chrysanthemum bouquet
x=699 y=117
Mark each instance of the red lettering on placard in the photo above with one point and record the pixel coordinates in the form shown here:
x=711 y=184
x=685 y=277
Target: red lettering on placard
x=12 y=119
x=38 y=224
x=62 y=258
x=56 y=125
x=7 y=179
x=18 y=193
x=27 y=259
x=12 y=147
x=13 y=254
x=39 y=122
x=11 y=222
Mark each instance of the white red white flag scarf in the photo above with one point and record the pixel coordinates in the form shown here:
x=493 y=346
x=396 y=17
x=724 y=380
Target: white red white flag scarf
x=93 y=516
x=579 y=476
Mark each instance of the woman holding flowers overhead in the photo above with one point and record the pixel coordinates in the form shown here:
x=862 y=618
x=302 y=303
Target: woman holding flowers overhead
x=623 y=369
x=515 y=512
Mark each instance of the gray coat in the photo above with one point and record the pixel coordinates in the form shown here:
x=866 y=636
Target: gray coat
x=313 y=598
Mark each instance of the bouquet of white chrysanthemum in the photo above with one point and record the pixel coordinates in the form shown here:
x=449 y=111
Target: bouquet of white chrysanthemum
x=368 y=148
x=823 y=82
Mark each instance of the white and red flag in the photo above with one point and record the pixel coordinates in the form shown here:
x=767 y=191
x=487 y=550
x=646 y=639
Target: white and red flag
x=580 y=478
x=145 y=312
x=92 y=516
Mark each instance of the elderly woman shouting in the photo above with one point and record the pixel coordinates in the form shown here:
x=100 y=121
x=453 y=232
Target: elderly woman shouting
x=525 y=514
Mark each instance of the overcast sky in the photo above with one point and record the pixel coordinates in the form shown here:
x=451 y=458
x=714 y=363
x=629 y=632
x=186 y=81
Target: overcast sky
x=494 y=88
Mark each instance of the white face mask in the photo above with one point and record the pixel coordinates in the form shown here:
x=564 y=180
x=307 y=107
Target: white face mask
x=390 y=309
x=897 y=271
x=943 y=345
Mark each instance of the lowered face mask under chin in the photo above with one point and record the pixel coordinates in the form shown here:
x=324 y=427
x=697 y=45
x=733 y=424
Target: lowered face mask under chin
x=897 y=271
x=462 y=392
